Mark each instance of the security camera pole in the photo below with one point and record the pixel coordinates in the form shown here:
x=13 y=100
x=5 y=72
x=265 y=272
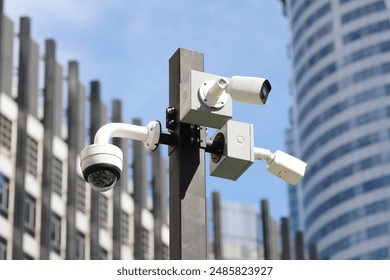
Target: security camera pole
x=187 y=184
x=197 y=100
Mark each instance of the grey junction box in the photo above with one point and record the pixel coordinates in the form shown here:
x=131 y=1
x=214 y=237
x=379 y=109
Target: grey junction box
x=237 y=153
x=192 y=109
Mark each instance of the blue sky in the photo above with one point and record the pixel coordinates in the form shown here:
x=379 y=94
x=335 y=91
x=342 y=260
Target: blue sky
x=127 y=44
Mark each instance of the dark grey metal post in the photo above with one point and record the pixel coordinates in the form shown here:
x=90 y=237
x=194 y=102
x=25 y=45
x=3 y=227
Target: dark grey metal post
x=139 y=195
x=217 y=226
x=158 y=211
x=266 y=229
x=286 y=252
x=299 y=246
x=163 y=191
x=313 y=252
x=73 y=150
x=49 y=123
x=2 y=41
x=1 y=13
x=96 y=123
x=23 y=107
x=6 y=51
x=1 y=9
x=188 y=234
x=33 y=87
x=122 y=183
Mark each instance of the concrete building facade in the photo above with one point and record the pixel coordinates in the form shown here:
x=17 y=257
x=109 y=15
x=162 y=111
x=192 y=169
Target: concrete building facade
x=47 y=211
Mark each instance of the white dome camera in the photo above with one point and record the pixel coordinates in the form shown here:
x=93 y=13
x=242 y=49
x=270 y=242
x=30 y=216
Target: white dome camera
x=101 y=165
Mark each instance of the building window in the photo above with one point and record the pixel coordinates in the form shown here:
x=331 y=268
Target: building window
x=3 y=248
x=165 y=252
x=125 y=228
x=382 y=26
x=103 y=211
x=32 y=156
x=145 y=243
x=80 y=246
x=4 y=195
x=27 y=256
x=5 y=136
x=57 y=176
x=55 y=233
x=80 y=194
x=29 y=214
x=103 y=254
x=363 y=11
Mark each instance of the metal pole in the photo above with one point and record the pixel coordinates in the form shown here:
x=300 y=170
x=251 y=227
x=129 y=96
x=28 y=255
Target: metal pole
x=188 y=233
x=96 y=123
x=2 y=41
x=299 y=246
x=1 y=12
x=121 y=185
x=286 y=253
x=73 y=144
x=157 y=185
x=217 y=226
x=139 y=195
x=49 y=132
x=6 y=54
x=266 y=229
x=23 y=107
x=313 y=252
x=6 y=51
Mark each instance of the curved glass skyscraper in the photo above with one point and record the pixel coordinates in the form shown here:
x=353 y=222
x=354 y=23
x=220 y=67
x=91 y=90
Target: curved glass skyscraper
x=340 y=53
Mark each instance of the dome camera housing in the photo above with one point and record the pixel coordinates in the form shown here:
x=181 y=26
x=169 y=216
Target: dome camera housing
x=101 y=165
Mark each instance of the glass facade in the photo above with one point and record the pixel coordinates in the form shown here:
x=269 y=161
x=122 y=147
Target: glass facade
x=29 y=214
x=340 y=52
x=4 y=195
x=55 y=233
x=5 y=136
x=57 y=176
x=3 y=248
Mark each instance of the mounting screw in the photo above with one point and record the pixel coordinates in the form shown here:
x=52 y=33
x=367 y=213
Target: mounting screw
x=170 y=115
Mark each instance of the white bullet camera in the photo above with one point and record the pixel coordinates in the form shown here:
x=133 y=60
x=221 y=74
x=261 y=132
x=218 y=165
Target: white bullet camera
x=249 y=89
x=288 y=168
x=214 y=93
x=101 y=163
x=207 y=98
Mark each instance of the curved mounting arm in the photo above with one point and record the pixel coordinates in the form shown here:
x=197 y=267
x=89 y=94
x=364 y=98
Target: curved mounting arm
x=263 y=154
x=150 y=134
x=123 y=130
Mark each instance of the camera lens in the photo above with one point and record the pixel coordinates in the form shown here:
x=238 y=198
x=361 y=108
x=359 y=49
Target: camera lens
x=102 y=180
x=264 y=92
